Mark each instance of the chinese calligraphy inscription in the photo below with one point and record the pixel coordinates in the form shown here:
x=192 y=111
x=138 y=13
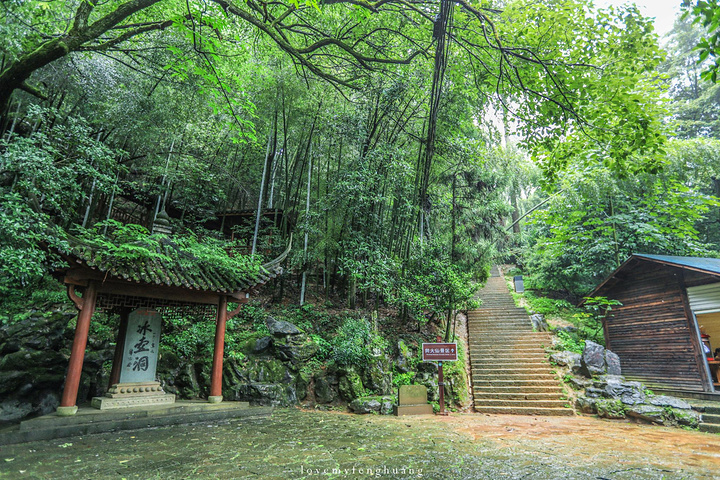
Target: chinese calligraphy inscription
x=141 y=346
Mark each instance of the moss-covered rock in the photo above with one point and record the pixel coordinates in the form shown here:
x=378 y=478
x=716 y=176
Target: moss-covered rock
x=610 y=408
x=294 y=348
x=647 y=413
x=687 y=418
x=324 y=391
x=377 y=376
x=350 y=385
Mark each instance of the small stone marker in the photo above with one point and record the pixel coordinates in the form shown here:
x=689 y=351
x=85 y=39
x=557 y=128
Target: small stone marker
x=412 y=400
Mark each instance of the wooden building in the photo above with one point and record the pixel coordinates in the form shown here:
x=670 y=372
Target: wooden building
x=670 y=305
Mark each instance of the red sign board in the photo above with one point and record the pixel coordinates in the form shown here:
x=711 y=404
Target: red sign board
x=441 y=352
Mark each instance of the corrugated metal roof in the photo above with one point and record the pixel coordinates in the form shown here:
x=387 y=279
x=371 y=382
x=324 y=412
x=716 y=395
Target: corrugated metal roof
x=710 y=265
x=704 y=298
x=707 y=265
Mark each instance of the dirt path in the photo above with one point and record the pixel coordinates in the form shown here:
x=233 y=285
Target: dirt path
x=298 y=444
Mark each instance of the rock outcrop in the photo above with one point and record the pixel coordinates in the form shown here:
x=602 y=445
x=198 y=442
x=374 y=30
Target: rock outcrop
x=603 y=391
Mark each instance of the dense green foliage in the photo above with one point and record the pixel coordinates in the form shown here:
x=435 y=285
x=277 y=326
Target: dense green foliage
x=396 y=144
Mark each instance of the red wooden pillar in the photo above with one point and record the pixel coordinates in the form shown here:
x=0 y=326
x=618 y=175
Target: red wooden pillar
x=216 y=376
x=77 y=354
x=119 y=346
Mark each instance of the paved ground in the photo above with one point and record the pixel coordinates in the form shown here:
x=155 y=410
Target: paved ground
x=295 y=444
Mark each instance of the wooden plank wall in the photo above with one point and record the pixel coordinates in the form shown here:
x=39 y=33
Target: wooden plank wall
x=650 y=332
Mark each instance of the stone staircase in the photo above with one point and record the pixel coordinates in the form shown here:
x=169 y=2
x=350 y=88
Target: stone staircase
x=510 y=373
x=709 y=415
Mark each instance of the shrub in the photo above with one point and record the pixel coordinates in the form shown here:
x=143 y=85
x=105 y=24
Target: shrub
x=355 y=342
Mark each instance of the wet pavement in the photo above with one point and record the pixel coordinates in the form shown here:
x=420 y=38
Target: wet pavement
x=295 y=444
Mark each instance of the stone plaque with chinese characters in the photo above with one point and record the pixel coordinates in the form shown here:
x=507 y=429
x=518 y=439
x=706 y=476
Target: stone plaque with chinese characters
x=141 y=346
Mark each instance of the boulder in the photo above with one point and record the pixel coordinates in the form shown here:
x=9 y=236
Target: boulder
x=273 y=394
x=603 y=380
x=579 y=383
x=294 y=348
x=566 y=359
x=592 y=359
x=386 y=407
x=585 y=405
x=404 y=358
x=629 y=393
x=688 y=418
x=538 y=322
x=612 y=362
x=648 y=413
x=14 y=409
x=667 y=401
x=592 y=392
x=377 y=376
x=280 y=328
x=324 y=393
x=610 y=408
x=262 y=344
x=362 y=405
x=350 y=385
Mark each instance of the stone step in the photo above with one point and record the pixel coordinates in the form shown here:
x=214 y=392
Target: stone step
x=91 y=421
x=529 y=338
x=712 y=410
x=517 y=396
x=711 y=418
x=504 y=333
x=525 y=411
x=509 y=325
x=709 y=427
x=516 y=351
x=518 y=345
x=499 y=322
x=486 y=330
x=498 y=307
x=518 y=370
x=535 y=342
x=511 y=365
x=507 y=351
x=506 y=326
x=506 y=357
x=520 y=403
x=516 y=390
x=491 y=305
x=525 y=382
x=518 y=378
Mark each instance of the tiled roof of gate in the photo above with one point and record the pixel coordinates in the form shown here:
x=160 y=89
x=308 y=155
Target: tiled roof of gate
x=174 y=267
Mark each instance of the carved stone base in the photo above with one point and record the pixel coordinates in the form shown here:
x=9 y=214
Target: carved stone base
x=107 y=403
x=144 y=389
x=423 y=409
x=66 y=411
x=139 y=394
